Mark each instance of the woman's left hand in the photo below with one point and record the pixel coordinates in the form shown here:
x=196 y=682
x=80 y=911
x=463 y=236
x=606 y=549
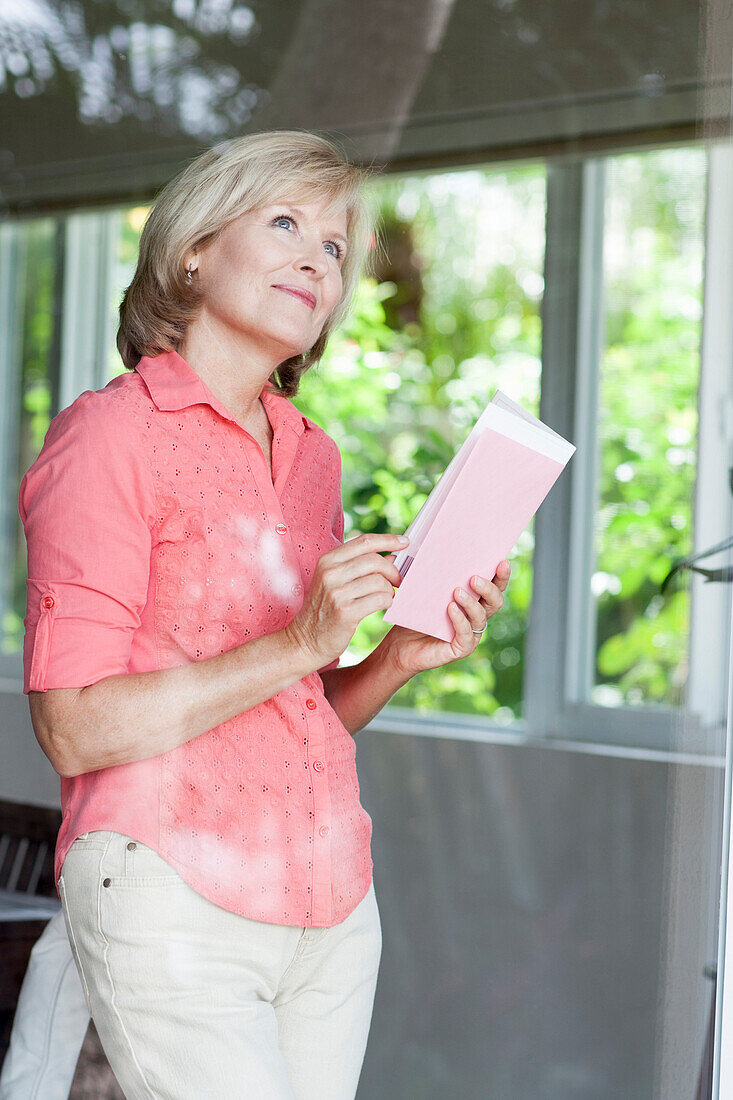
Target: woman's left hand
x=415 y=652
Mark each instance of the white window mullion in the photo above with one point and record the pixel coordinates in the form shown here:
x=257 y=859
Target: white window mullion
x=12 y=297
x=90 y=239
x=547 y=627
x=584 y=465
x=713 y=515
x=110 y=294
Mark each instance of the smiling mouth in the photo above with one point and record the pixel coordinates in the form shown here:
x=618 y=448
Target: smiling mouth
x=303 y=295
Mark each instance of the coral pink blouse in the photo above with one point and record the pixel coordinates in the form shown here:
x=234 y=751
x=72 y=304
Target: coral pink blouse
x=156 y=536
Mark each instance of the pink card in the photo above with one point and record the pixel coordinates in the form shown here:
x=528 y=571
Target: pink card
x=475 y=514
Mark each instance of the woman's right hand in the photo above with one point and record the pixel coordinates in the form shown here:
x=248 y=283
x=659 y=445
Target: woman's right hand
x=349 y=583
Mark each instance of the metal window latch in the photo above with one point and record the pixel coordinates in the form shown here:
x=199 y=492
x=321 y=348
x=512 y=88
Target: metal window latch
x=723 y=575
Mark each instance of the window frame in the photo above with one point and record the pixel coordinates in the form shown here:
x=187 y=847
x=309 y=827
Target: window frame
x=561 y=632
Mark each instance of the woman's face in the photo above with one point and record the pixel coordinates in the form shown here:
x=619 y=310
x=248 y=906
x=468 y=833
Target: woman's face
x=288 y=244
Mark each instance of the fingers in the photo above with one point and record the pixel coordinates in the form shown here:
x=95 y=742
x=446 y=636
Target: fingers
x=487 y=588
x=369 y=547
x=474 y=613
x=479 y=609
x=369 y=564
x=390 y=570
x=503 y=572
x=373 y=540
x=490 y=593
x=490 y=596
x=461 y=624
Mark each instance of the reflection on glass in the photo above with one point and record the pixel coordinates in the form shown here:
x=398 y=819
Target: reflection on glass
x=157 y=72
x=578 y=918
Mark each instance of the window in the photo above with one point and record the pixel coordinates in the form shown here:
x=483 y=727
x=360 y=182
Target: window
x=612 y=654
x=649 y=370
x=577 y=288
x=30 y=259
x=455 y=314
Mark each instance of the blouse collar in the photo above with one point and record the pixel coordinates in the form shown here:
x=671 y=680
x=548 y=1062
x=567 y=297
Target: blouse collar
x=174 y=384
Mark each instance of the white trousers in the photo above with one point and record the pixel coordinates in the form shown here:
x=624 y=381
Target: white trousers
x=191 y=1000
x=51 y=1020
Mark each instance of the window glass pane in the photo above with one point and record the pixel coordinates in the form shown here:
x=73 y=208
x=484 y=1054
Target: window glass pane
x=653 y=275
x=37 y=306
x=130 y=224
x=454 y=312
x=38 y=270
x=452 y=315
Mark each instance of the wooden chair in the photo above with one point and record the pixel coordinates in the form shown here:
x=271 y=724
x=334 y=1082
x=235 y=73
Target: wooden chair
x=28 y=896
x=28 y=899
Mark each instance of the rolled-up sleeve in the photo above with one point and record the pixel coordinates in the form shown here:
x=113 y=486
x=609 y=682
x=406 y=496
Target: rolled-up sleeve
x=87 y=505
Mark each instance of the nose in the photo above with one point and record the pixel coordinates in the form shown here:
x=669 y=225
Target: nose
x=312 y=258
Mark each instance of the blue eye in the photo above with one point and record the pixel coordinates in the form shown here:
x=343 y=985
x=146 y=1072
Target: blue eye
x=287 y=218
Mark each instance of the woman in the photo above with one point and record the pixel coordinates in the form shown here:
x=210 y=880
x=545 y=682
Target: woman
x=189 y=596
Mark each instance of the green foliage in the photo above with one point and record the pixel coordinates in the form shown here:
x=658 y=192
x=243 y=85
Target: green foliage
x=400 y=393
x=455 y=315
x=648 y=421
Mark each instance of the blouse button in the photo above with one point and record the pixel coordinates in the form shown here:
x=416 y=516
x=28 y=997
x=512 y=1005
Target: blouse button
x=324 y=830
x=281 y=528
x=318 y=765
x=131 y=846
x=297 y=589
x=107 y=882
x=311 y=704
x=48 y=601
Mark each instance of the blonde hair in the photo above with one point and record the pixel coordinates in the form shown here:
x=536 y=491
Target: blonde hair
x=226 y=181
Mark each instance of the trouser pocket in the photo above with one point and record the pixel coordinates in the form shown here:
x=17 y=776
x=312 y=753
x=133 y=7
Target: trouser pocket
x=129 y=862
